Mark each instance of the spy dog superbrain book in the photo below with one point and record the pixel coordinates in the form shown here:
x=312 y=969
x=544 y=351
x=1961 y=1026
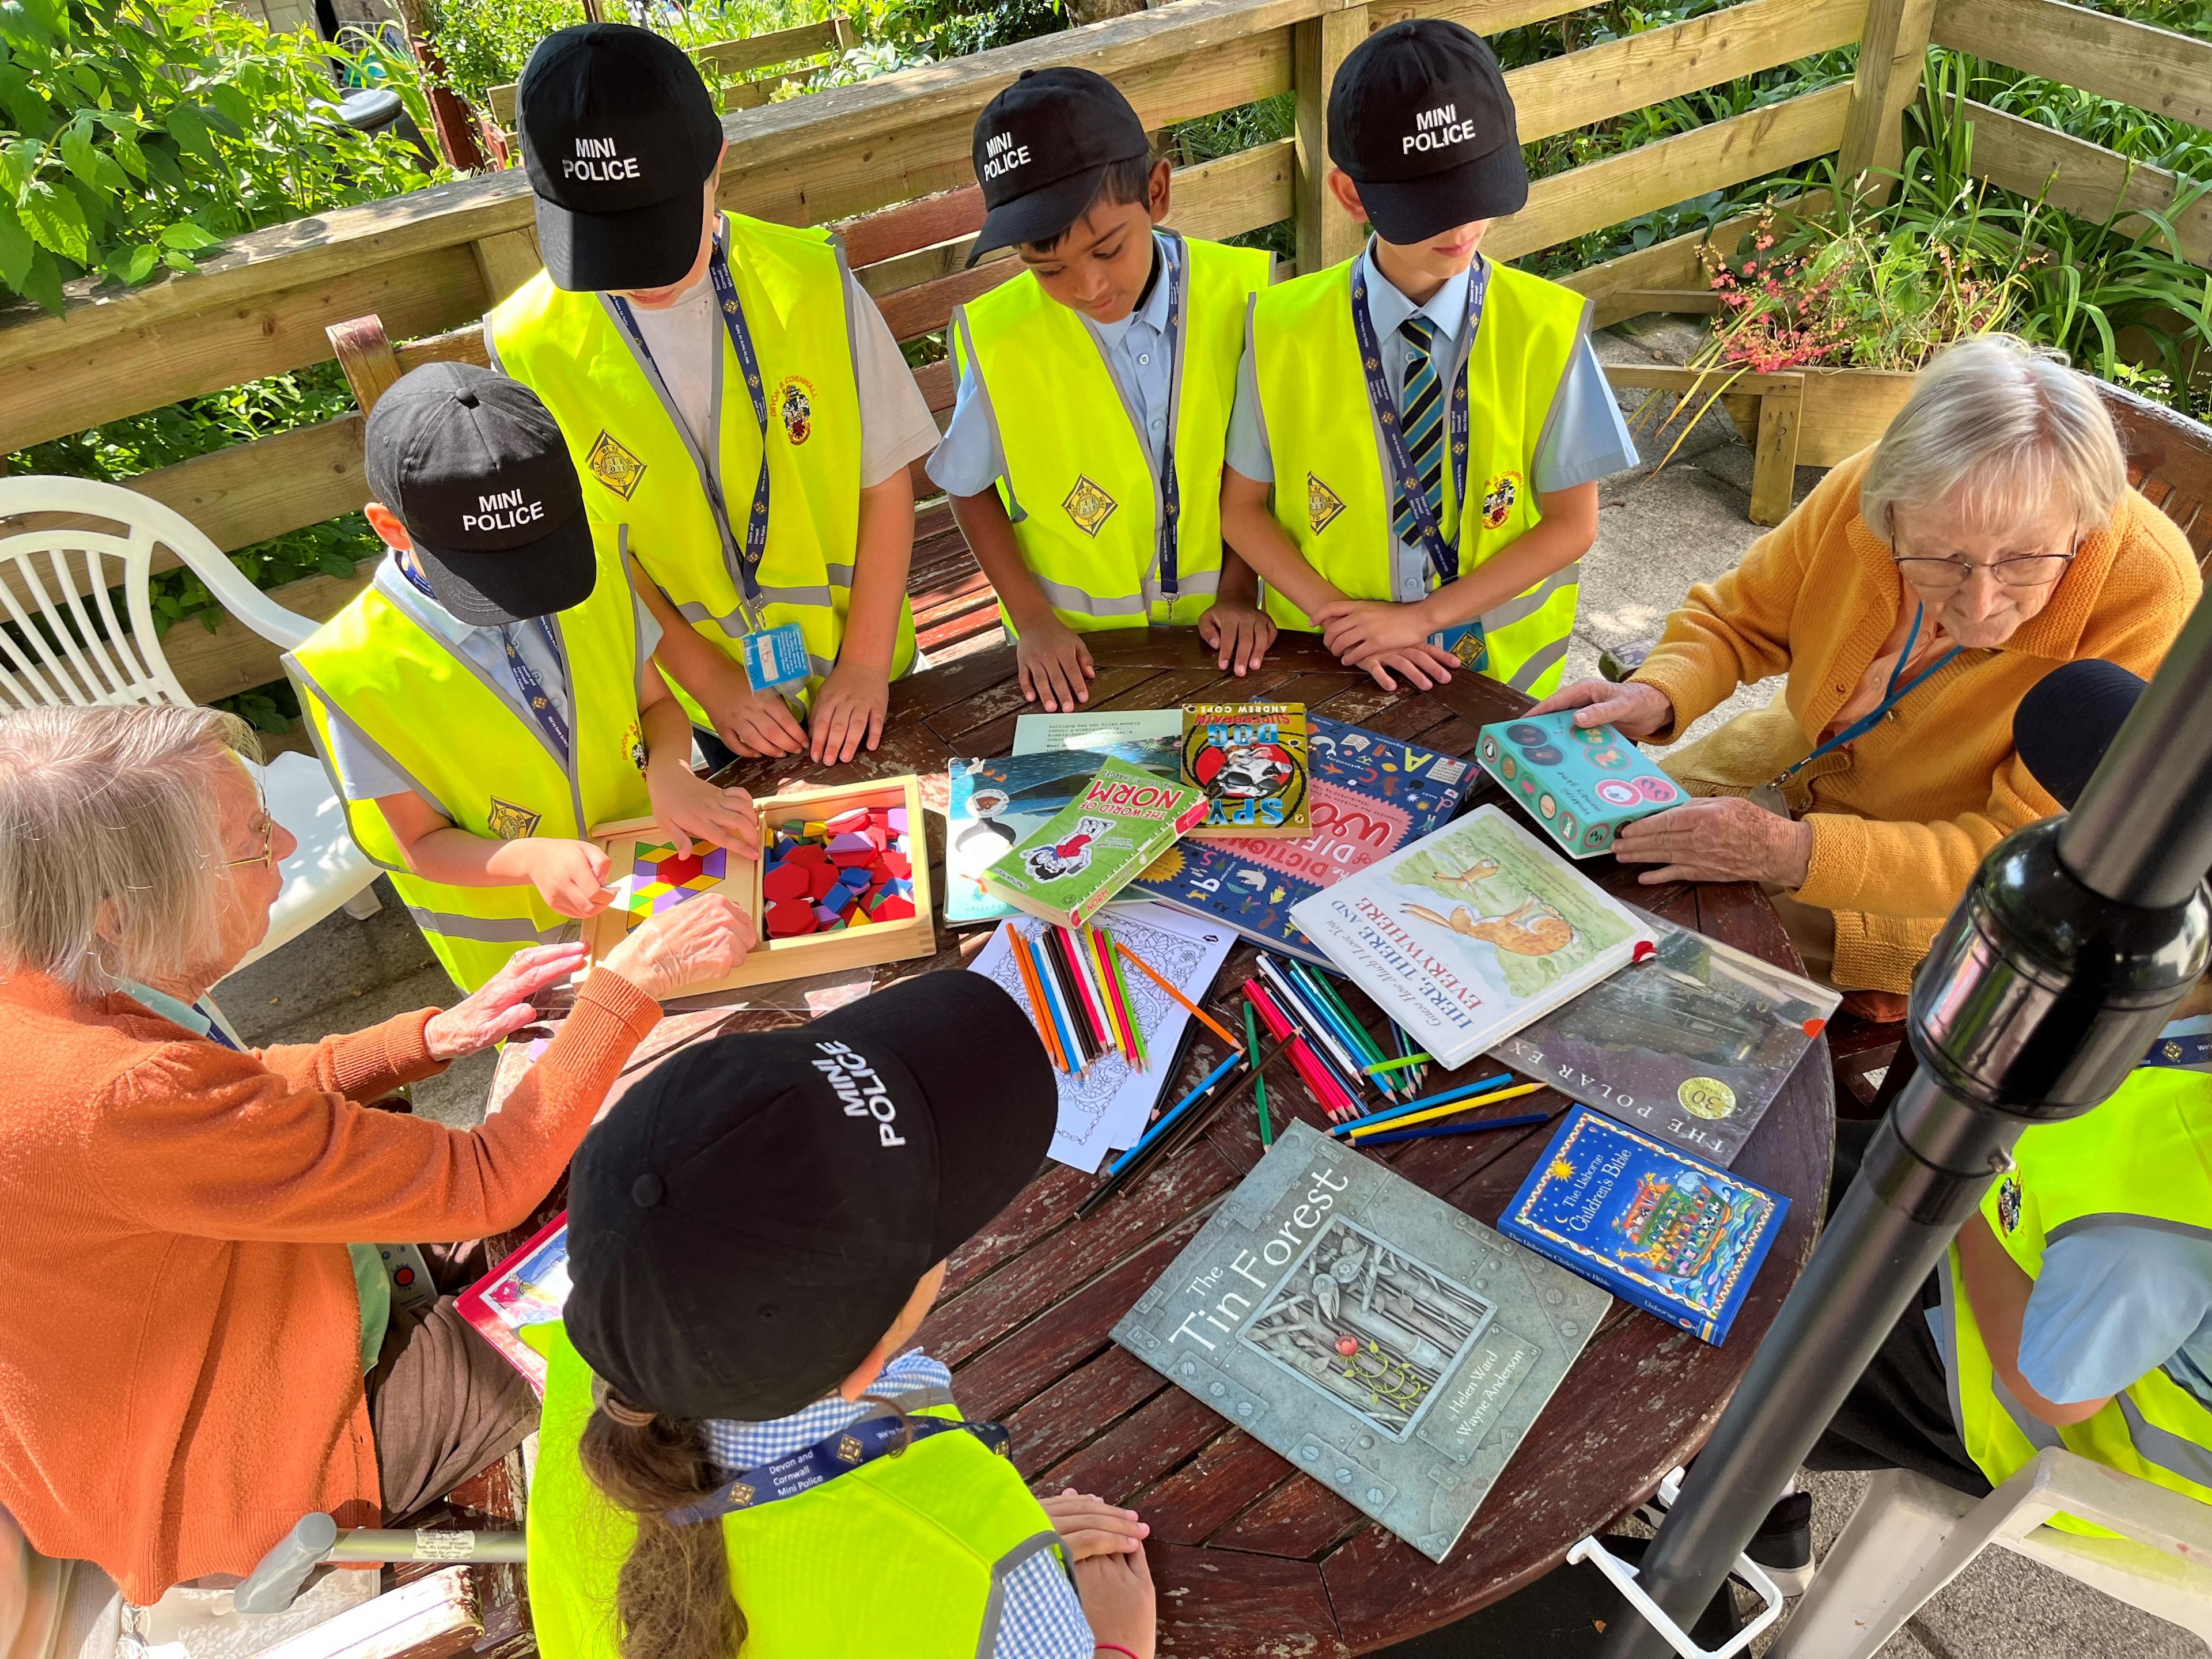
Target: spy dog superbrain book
x=1250 y=760
x=1390 y=1345
x=1088 y=851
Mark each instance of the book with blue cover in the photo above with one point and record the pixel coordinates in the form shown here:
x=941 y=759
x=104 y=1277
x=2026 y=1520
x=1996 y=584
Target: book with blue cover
x=1676 y=1237
x=1371 y=795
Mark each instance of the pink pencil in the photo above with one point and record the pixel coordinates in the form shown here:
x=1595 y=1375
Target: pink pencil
x=1335 y=1102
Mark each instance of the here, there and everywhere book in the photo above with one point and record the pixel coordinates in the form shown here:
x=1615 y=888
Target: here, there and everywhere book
x=1371 y=795
x=1068 y=867
x=1250 y=760
x=1676 y=1237
x=992 y=803
x=1390 y=1345
x=1469 y=934
x=1692 y=1043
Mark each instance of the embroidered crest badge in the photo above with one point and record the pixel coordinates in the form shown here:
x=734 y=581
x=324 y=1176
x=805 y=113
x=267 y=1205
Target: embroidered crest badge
x=741 y=1496
x=1089 y=505
x=794 y=407
x=849 y=1449
x=633 y=744
x=2008 y=1203
x=1322 y=504
x=508 y=822
x=613 y=465
x=1497 y=498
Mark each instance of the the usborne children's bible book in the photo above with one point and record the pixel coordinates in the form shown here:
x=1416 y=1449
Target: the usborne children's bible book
x=1250 y=760
x=1692 y=1042
x=1371 y=795
x=1678 y=1238
x=529 y=1288
x=1088 y=851
x=1469 y=934
x=1581 y=783
x=1391 y=1346
x=993 y=803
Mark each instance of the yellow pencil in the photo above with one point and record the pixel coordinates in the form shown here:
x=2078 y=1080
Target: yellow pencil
x=1445 y=1110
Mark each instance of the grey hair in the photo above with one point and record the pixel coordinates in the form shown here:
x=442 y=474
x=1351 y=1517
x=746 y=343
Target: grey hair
x=110 y=840
x=1997 y=427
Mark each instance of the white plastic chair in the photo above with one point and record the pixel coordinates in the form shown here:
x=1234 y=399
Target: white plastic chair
x=1909 y=1536
x=63 y=642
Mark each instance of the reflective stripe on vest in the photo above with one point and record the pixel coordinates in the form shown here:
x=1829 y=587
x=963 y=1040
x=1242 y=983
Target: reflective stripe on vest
x=641 y=471
x=1083 y=481
x=1333 y=482
x=462 y=743
x=907 y=1554
x=2145 y=1148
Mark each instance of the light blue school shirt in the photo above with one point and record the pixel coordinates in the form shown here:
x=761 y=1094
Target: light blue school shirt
x=1585 y=439
x=968 y=459
x=364 y=774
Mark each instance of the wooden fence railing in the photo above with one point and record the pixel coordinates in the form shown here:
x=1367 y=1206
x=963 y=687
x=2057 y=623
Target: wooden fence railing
x=888 y=162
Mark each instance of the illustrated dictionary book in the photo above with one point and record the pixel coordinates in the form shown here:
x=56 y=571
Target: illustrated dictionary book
x=1250 y=759
x=1391 y=1346
x=1471 y=933
x=1678 y=1238
x=992 y=803
x=1068 y=867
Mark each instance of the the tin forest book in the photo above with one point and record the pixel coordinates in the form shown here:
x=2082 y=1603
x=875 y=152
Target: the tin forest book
x=1390 y=1345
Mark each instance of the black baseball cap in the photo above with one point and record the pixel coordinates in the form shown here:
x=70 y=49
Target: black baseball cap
x=747 y=1221
x=1043 y=147
x=2067 y=721
x=477 y=469
x=1419 y=118
x=618 y=135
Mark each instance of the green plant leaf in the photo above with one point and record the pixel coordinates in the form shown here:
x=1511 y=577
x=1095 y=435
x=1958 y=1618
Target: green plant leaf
x=190 y=132
x=139 y=264
x=16 y=250
x=43 y=283
x=178 y=262
x=186 y=236
x=55 y=218
x=131 y=156
x=28 y=110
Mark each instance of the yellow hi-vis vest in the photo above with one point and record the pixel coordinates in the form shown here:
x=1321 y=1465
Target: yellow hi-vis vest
x=1082 y=479
x=1334 y=494
x=904 y=1555
x=479 y=757
x=641 y=473
x=2143 y=1158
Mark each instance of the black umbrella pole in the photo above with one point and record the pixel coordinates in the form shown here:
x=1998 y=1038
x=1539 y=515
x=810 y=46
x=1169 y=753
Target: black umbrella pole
x=2046 y=988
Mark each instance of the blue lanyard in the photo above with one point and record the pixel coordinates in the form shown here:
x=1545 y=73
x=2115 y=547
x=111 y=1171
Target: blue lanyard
x=1171 y=489
x=1891 y=696
x=1443 y=558
x=733 y=319
x=2190 y=1054
x=526 y=678
x=834 y=1455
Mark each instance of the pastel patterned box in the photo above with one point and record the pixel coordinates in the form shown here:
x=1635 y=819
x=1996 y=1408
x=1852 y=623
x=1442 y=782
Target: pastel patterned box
x=1579 y=783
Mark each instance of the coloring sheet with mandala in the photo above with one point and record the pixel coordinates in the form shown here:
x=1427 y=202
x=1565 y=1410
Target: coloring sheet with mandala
x=1104 y=1108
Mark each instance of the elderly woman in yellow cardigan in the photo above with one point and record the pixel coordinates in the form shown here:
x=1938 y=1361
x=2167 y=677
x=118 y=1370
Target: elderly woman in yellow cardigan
x=1912 y=599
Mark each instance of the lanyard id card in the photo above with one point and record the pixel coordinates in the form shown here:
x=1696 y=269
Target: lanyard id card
x=1171 y=487
x=826 y=1459
x=777 y=657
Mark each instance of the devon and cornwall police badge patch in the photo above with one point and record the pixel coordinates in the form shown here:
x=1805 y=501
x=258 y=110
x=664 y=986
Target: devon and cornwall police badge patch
x=507 y=821
x=1322 y=504
x=1089 y=505
x=613 y=465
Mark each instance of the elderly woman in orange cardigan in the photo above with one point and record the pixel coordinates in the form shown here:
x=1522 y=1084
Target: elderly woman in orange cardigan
x=1912 y=599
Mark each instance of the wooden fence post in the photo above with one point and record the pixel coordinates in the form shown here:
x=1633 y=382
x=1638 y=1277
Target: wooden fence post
x=1892 y=53
x=506 y=261
x=1325 y=233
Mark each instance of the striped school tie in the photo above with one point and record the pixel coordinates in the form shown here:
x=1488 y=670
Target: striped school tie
x=1423 y=424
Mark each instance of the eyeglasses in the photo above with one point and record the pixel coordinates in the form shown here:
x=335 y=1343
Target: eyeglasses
x=268 y=828
x=1937 y=576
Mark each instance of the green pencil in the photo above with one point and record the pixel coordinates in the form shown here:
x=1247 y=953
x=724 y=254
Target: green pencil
x=1394 y=1065
x=1259 y=1083
x=1120 y=982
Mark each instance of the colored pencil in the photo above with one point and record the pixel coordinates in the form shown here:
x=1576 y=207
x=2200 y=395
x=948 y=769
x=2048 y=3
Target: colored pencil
x=1334 y=1103
x=1079 y=948
x=1049 y=989
x=1399 y=1064
x=1070 y=998
x=1481 y=1126
x=1370 y=1049
x=1357 y=1048
x=1190 y=1041
x=1027 y=972
x=1196 y=1108
x=1438 y=1099
x=1121 y=989
x=1116 y=1004
x=1259 y=1083
x=1299 y=1006
x=1366 y=1126
x=1161 y=979
x=1168 y=1118
x=1077 y=1058
x=1078 y=988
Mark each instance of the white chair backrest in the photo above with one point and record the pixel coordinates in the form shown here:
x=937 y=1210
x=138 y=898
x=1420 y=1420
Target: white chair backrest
x=62 y=639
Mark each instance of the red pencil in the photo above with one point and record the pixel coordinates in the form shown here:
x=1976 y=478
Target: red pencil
x=1335 y=1104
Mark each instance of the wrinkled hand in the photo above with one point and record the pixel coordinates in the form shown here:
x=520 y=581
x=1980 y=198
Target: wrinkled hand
x=1633 y=707
x=571 y=876
x=1724 y=839
x=501 y=1006
x=1091 y=1526
x=695 y=942
x=1053 y=664
x=1116 y=1593
x=1239 y=634
x=1426 y=665
x=1353 y=628
x=689 y=808
x=752 y=723
x=850 y=707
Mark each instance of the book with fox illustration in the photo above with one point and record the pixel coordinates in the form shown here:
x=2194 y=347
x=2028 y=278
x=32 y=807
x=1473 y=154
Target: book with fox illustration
x=1469 y=934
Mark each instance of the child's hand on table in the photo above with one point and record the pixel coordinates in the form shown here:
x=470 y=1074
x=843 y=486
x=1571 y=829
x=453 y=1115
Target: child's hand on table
x=1053 y=663
x=1090 y=1526
x=850 y=707
x=1425 y=665
x=570 y=876
x=1355 y=628
x=1240 y=633
x=689 y=808
x=753 y=723
x=1116 y=1593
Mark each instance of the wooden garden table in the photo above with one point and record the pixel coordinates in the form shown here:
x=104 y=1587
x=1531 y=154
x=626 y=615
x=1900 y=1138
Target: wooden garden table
x=1251 y=1557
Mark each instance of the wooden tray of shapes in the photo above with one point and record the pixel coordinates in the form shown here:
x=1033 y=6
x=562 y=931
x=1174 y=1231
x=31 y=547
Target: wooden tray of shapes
x=855 y=946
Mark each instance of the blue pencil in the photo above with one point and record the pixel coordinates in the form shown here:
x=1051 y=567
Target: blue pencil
x=1440 y=1099
x=1060 y=1017
x=1170 y=1115
x=1481 y=1126
x=1357 y=1048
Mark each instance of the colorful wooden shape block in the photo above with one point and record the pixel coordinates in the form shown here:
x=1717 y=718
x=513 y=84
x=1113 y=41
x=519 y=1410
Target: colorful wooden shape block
x=784 y=881
x=789 y=917
x=895 y=907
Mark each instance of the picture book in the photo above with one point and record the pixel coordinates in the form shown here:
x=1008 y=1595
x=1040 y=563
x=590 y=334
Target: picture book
x=1093 y=846
x=1099 y=730
x=1469 y=934
x=1250 y=760
x=1387 y=1344
x=529 y=1288
x=991 y=803
x=1581 y=783
x=1371 y=795
x=1692 y=1043
x=1678 y=1238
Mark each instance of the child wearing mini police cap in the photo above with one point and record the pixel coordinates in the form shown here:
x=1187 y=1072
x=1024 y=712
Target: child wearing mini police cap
x=492 y=695
x=1084 y=456
x=1431 y=424
x=735 y=1453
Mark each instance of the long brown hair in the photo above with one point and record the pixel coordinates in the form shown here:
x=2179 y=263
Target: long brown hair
x=673 y=1599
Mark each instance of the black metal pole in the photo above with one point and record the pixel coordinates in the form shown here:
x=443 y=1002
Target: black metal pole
x=2046 y=988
